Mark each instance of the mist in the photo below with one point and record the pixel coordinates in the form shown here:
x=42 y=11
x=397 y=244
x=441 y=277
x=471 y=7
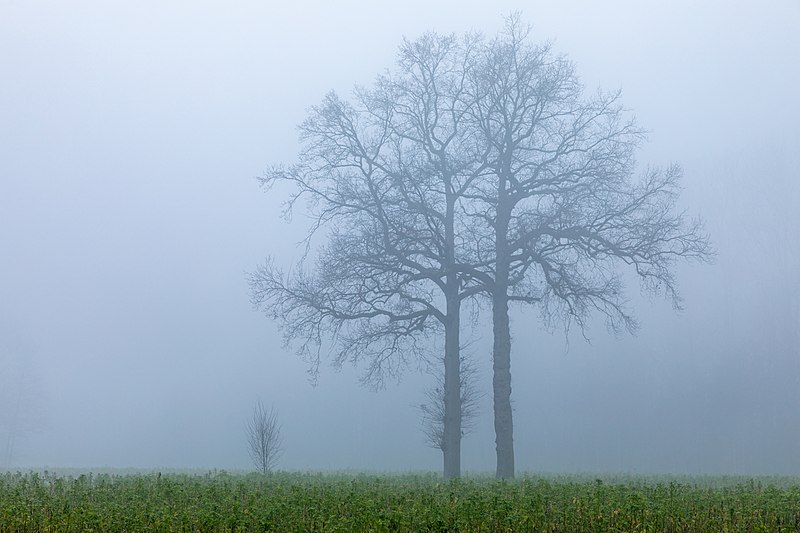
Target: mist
x=130 y=214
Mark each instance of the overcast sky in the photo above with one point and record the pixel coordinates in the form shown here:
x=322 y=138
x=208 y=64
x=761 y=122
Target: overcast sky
x=130 y=137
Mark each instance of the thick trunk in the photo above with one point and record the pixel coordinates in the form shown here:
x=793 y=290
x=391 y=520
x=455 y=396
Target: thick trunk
x=501 y=357
x=452 y=390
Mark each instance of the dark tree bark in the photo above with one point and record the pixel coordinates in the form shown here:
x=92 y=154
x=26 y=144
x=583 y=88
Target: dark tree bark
x=501 y=352
x=451 y=441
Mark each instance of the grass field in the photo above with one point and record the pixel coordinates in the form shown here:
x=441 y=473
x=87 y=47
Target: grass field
x=220 y=501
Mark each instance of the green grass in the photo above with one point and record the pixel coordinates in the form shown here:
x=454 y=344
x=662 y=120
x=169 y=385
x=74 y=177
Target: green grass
x=362 y=502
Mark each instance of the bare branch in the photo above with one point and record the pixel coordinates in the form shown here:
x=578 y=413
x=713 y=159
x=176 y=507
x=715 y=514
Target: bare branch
x=264 y=438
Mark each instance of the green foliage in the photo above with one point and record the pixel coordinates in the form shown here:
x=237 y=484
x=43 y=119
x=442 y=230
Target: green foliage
x=325 y=502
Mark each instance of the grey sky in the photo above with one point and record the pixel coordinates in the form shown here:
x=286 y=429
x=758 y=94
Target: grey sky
x=130 y=135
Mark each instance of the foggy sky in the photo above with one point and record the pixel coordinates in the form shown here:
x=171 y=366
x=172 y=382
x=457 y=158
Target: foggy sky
x=130 y=138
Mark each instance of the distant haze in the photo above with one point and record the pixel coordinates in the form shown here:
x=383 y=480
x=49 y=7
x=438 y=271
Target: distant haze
x=130 y=138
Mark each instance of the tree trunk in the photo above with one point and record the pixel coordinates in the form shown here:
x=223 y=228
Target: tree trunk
x=452 y=389
x=451 y=449
x=501 y=357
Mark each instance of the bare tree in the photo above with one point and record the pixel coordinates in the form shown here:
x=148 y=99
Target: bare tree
x=264 y=438
x=433 y=410
x=479 y=167
x=384 y=175
x=561 y=209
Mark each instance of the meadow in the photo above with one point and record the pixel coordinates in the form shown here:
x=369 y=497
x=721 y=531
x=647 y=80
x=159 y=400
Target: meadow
x=221 y=501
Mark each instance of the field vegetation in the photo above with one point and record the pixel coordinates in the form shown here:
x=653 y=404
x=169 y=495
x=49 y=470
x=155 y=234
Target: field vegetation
x=219 y=501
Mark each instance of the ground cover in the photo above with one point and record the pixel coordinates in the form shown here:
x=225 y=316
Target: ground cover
x=220 y=501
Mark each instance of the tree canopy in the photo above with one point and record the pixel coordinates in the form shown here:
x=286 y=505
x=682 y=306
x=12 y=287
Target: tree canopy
x=478 y=168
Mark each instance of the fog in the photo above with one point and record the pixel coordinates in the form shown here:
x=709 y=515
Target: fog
x=130 y=139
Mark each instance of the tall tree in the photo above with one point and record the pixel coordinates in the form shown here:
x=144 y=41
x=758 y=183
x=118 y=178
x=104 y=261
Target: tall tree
x=478 y=167
x=385 y=176
x=561 y=207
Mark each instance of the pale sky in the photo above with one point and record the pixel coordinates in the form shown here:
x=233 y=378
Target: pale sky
x=130 y=138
